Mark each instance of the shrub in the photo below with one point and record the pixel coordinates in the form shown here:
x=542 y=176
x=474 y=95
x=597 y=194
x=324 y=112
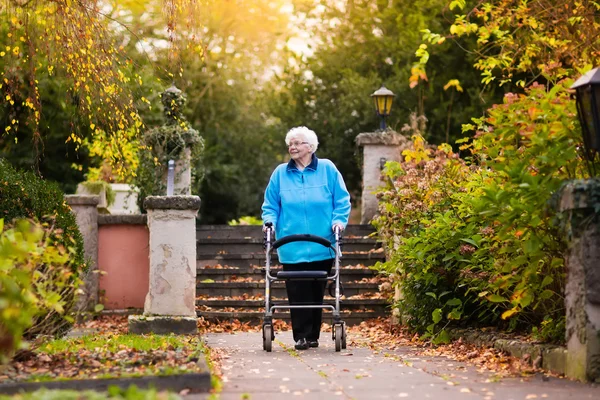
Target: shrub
x=24 y=195
x=482 y=243
x=36 y=282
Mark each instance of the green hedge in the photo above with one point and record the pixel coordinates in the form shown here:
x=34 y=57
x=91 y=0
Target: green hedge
x=25 y=195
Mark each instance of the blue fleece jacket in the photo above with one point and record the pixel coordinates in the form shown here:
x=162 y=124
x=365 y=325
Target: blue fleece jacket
x=308 y=201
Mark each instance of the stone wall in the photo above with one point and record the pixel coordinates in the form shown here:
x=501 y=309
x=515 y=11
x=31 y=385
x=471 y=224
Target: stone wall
x=123 y=261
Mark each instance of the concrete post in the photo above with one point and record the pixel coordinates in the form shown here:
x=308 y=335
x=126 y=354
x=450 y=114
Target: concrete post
x=170 y=303
x=579 y=201
x=85 y=208
x=378 y=147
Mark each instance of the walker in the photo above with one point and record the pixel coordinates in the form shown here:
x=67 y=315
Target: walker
x=339 y=327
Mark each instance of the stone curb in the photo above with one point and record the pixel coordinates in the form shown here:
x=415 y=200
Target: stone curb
x=172 y=203
x=82 y=199
x=195 y=382
x=162 y=324
x=548 y=357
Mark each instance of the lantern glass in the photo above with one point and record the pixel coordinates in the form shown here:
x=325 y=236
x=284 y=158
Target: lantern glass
x=383 y=104
x=596 y=116
x=588 y=98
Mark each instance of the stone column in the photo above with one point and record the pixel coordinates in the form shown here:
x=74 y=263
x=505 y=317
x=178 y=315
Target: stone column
x=170 y=303
x=85 y=208
x=579 y=202
x=378 y=147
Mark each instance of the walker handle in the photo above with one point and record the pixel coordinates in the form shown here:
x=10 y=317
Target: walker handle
x=301 y=238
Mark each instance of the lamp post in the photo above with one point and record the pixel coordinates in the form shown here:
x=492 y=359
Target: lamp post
x=383 y=104
x=588 y=108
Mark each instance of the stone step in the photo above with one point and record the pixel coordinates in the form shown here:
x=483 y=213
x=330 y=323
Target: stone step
x=366 y=258
x=255 y=245
x=258 y=305
x=255 y=317
x=227 y=274
x=255 y=231
x=277 y=289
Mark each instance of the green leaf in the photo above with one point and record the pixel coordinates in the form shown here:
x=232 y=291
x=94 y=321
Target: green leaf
x=431 y=294
x=470 y=241
x=436 y=315
x=444 y=293
x=454 y=302
x=455 y=314
x=532 y=245
x=98 y=307
x=442 y=338
x=547 y=280
x=430 y=329
x=526 y=299
x=496 y=298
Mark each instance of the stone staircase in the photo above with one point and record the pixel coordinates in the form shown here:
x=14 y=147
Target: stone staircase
x=230 y=275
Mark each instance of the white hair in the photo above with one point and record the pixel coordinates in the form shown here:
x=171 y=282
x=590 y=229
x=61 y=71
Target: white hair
x=304 y=134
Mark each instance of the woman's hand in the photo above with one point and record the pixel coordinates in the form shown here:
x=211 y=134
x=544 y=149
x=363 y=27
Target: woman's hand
x=340 y=226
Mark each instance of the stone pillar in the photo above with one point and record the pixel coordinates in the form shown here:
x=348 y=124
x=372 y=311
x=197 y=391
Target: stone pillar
x=85 y=208
x=170 y=303
x=579 y=202
x=378 y=147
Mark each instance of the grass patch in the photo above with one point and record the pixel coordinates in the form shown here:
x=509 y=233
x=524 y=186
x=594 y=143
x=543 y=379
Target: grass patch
x=111 y=355
x=116 y=342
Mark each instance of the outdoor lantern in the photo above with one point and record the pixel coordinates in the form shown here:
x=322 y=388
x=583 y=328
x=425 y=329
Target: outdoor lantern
x=588 y=107
x=383 y=103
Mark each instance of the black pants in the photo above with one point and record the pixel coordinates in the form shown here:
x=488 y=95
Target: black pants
x=306 y=322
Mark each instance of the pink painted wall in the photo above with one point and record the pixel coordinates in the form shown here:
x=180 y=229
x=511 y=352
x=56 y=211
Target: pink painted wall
x=124 y=265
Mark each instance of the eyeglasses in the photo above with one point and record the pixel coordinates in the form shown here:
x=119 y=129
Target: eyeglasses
x=296 y=144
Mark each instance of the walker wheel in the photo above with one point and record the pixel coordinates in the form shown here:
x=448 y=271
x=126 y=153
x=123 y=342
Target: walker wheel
x=267 y=337
x=339 y=333
x=344 y=336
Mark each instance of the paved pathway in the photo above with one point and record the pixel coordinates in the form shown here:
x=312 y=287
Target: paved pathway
x=359 y=373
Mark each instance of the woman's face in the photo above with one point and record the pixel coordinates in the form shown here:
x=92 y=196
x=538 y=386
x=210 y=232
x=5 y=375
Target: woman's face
x=298 y=148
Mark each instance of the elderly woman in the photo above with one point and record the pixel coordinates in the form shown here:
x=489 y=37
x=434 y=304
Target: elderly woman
x=306 y=195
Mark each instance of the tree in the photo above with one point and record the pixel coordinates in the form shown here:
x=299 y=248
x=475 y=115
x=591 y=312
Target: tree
x=358 y=46
x=521 y=41
x=76 y=43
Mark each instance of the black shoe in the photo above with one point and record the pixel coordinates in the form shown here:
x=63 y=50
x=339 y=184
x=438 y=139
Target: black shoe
x=313 y=343
x=301 y=344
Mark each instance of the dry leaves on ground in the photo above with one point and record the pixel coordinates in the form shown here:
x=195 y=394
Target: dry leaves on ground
x=380 y=335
